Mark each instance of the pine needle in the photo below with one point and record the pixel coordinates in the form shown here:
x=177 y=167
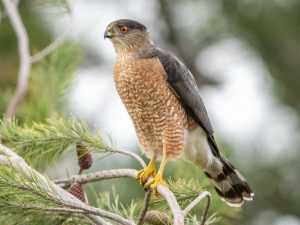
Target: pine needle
x=44 y=143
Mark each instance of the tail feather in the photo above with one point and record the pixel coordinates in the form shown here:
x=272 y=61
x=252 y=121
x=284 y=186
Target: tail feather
x=230 y=185
x=201 y=150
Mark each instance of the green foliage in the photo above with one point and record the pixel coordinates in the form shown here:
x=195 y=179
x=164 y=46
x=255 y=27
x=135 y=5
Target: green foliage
x=50 y=81
x=193 y=220
x=25 y=198
x=17 y=216
x=17 y=188
x=110 y=202
x=184 y=191
x=43 y=143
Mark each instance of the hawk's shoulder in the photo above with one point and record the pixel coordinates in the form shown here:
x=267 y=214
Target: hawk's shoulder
x=183 y=83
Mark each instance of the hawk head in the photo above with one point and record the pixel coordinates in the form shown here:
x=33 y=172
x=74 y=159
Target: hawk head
x=127 y=35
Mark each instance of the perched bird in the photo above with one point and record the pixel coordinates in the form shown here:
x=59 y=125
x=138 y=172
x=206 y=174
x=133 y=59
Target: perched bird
x=169 y=116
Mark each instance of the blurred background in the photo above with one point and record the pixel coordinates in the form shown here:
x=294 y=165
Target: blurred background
x=245 y=56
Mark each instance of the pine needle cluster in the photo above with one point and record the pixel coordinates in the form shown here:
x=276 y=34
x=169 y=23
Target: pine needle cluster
x=44 y=143
x=25 y=199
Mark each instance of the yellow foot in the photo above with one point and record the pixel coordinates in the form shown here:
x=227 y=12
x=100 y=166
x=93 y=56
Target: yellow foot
x=155 y=182
x=144 y=174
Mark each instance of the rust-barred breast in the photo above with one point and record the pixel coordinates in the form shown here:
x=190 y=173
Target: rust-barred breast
x=157 y=114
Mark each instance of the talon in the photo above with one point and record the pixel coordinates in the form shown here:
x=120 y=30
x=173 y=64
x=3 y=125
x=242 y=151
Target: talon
x=155 y=182
x=144 y=174
x=158 y=179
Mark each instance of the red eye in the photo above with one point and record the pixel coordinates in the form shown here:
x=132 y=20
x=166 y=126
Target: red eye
x=123 y=29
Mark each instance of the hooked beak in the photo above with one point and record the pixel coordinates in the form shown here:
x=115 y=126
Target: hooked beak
x=108 y=34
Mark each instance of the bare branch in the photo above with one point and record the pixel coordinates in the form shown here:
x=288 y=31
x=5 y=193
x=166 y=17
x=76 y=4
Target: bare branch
x=145 y=208
x=131 y=154
x=102 y=213
x=196 y=201
x=51 y=47
x=59 y=40
x=205 y=212
x=96 y=176
x=50 y=209
x=24 y=55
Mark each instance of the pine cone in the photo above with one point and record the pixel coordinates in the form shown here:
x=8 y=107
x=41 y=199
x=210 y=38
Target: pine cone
x=157 y=218
x=85 y=159
x=77 y=190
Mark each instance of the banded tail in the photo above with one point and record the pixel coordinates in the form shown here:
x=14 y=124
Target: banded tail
x=230 y=185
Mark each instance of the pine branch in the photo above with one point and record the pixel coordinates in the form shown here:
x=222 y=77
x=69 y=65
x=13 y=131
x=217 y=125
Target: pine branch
x=58 y=134
x=15 y=171
x=45 y=143
x=110 y=202
x=179 y=215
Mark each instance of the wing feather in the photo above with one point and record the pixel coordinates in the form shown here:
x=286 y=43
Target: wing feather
x=182 y=82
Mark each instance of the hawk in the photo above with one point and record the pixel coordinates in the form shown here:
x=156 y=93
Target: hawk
x=168 y=113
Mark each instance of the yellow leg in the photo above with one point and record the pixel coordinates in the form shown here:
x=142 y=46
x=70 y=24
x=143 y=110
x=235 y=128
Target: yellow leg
x=158 y=179
x=144 y=174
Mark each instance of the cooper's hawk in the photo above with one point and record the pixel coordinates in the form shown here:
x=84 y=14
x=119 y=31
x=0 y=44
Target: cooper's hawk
x=169 y=116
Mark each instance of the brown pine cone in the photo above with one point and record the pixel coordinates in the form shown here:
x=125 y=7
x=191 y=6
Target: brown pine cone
x=77 y=190
x=85 y=159
x=157 y=218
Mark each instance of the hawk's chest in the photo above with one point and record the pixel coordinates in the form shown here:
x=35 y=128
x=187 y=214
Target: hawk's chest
x=139 y=82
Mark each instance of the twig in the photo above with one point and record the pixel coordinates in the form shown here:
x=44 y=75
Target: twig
x=98 y=220
x=24 y=54
x=196 y=201
x=131 y=154
x=102 y=213
x=51 y=47
x=58 y=41
x=145 y=208
x=49 y=209
x=96 y=176
x=205 y=212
